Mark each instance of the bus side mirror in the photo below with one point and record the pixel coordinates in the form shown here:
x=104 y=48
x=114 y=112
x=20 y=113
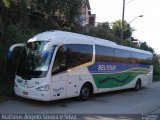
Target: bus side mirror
x=10 y=51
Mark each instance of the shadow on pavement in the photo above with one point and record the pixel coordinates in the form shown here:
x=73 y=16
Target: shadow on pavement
x=65 y=102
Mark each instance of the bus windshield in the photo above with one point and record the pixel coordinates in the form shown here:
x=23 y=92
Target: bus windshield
x=35 y=59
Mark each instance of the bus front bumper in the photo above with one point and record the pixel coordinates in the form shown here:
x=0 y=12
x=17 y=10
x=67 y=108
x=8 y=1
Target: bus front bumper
x=36 y=95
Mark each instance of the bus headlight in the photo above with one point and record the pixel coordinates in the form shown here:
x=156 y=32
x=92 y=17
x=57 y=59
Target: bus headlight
x=43 y=88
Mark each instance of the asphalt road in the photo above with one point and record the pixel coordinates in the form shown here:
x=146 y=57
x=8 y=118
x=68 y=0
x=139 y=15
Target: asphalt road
x=145 y=101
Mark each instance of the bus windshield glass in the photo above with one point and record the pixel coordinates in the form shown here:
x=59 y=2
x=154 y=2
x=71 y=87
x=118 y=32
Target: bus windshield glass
x=35 y=59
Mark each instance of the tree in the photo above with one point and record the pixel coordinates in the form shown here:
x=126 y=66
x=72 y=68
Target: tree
x=65 y=12
x=116 y=26
x=104 y=31
x=144 y=46
x=6 y=3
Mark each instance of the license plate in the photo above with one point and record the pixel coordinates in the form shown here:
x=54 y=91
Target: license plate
x=25 y=93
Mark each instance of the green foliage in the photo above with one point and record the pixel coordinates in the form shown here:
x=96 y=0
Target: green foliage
x=103 y=30
x=6 y=3
x=129 y=43
x=65 y=12
x=117 y=29
x=144 y=46
x=156 y=70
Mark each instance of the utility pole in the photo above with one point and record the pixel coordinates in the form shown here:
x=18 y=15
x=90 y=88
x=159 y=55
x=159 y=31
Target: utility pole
x=122 y=24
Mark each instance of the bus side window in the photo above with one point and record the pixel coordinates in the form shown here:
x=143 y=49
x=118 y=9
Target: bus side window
x=121 y=56
x=104 y=54
x=149 y=59
x=132 y=59
x=78 y=54
x=140 y=58
x=60 y=60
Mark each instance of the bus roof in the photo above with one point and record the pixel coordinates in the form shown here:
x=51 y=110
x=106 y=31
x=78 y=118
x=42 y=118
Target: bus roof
x=63 y=37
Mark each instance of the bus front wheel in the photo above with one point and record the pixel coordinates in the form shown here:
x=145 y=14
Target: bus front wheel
x=85 y=93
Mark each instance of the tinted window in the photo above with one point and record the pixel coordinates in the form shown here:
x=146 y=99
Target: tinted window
x=35 y=59
x=121 y=55
x=70 y=56
x=104 y=53
x=60 y=62
x=136 y=55
x=79 y=54
x=140 y=58
x=148 y=59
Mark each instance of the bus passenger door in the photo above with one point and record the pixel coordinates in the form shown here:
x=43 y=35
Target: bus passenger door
x=59 y=73
x=58 y=89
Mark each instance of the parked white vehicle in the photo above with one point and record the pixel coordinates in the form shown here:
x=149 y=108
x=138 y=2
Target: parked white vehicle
x=58 y=64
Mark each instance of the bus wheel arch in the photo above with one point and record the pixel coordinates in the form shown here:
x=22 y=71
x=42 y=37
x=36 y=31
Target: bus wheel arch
x=138 y=84
x=86 y=91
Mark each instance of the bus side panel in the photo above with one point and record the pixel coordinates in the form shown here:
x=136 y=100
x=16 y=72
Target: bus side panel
x=76 y=79
x=117 y=75
x=58 y=86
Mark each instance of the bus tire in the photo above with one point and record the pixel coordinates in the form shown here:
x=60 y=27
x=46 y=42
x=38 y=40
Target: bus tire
x=138 y=85
x=85 y=92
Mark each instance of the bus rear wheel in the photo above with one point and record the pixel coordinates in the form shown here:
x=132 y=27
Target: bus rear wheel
x=85 y=93
x=138 y=85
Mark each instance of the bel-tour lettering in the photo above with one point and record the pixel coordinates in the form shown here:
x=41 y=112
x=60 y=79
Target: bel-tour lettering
x=106 y=67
